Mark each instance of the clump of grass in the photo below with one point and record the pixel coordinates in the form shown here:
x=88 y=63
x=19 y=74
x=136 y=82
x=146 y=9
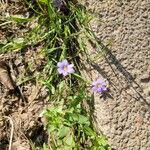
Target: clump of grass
x=62 y=27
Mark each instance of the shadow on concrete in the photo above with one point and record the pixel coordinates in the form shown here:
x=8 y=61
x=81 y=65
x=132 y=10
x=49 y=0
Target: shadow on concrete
x=112 y=60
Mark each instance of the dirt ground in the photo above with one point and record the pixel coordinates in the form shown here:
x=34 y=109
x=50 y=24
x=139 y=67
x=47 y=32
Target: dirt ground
x=124 y=115
x=23 y=105
x=22 y=100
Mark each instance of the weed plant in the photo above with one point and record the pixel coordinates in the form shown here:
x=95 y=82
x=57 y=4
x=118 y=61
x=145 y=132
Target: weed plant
x=61 y=28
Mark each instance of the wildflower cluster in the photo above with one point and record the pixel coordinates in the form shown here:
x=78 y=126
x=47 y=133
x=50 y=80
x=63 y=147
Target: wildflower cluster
x=64 y=68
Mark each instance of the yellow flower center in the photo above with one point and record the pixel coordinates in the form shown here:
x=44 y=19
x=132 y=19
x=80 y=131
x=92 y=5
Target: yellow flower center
x=65 y=68
x=98 y=85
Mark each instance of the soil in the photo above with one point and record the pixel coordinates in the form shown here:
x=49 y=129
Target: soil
x=22 y=97
x=24 y=104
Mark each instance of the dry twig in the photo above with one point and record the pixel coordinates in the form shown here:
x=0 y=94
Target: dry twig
x=12 y=131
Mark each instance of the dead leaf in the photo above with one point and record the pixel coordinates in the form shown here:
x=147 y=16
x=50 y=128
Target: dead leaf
x=5 y=76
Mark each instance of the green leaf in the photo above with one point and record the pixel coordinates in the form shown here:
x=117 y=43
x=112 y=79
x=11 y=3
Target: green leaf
x=52 y=89
x=45 y=147
x=51 y=128
x=44 y=1
x=70 y=141
x=102 y=141
x=79 y=77
x=61 y=85
x=75 y=100
x=70 y=117
x=51 y=50
x=95 y=148
x=20 y=19
x=89 y=131
x=63 y=131
x=74 y=117
x=1 y=46
x=67 y=31
x=83 y=120
x=18 y=40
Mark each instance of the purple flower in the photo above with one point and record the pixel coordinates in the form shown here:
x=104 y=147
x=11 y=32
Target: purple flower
x=99 y=86
x=65 y=68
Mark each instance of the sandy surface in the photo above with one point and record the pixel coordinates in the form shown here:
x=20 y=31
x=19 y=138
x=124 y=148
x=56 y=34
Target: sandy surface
x=124 y=115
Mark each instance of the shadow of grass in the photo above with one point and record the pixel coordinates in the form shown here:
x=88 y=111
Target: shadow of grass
x=129 y=79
